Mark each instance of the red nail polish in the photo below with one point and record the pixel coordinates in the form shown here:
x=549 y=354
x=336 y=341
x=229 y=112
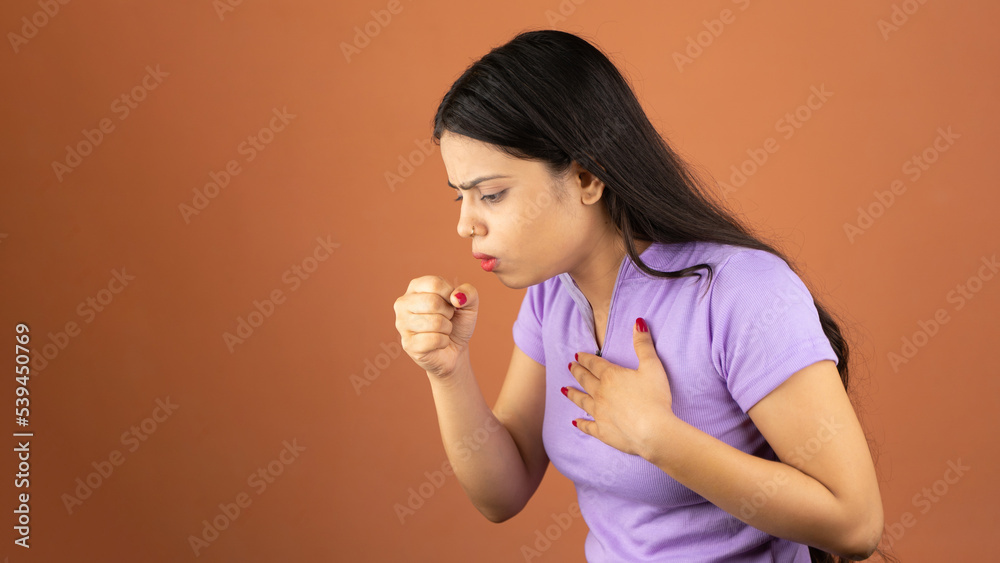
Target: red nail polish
x=565 y=391
x=574 y=423
x=570 y=366
x=576 y=357
x=641 y=324
x=461 y=298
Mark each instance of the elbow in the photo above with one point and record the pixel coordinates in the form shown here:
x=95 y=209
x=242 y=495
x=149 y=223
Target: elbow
x=498 y=518
x=499 y=510
x=497 y=515
x=863 y=536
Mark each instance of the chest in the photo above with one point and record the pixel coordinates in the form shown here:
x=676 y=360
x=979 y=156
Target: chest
x=683 y=344
x=600 y=327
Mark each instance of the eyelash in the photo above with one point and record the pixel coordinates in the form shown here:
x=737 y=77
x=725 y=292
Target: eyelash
x=491 y=198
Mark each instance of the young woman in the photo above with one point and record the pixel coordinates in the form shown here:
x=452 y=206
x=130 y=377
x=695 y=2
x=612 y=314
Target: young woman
x=701 y=417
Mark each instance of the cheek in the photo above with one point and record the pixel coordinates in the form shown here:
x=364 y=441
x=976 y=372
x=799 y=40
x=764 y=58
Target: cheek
x=539 y=224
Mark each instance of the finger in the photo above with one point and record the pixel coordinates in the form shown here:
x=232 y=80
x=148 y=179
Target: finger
x=425 y=304
x=583 y=375
x=430 y=284
x=432 y=322
x=425 y=342
x=579 y=398
x=586 y=426
x=592 y=363
x=642 y=340
x=436 y=285
x=469 y=300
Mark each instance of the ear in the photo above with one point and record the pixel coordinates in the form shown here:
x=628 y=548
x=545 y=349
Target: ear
x=590 y=185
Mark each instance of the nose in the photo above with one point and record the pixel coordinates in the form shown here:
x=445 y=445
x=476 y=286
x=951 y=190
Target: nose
x=465 y=229
x=466 y=222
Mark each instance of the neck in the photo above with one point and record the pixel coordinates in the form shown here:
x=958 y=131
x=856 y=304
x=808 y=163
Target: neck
x=597 y=274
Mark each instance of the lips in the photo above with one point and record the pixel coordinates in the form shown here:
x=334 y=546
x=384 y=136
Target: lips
x=487 y=262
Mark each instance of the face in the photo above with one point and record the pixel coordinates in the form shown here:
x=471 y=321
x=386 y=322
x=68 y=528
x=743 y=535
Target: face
x=536 y=225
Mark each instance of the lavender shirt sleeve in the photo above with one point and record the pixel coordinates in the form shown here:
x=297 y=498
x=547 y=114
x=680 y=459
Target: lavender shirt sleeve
x=764 y=325
x=528 y=325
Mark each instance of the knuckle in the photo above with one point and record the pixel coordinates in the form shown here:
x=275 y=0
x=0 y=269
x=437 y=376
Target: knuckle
x=439 y=283
x=426 y=301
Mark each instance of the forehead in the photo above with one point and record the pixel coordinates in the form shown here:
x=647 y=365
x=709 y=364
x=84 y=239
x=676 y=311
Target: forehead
x=457 y=148
x=466 y=158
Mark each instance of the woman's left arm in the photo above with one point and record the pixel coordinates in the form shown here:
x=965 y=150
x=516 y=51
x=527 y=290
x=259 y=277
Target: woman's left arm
x=823 y=492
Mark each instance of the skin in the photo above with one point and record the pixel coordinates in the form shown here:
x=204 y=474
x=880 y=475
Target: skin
x=828 y=498
x=569 y=216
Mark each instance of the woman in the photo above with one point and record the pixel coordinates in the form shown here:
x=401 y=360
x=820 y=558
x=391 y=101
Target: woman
x=721 y=430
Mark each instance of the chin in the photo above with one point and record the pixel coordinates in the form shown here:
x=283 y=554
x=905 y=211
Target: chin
x=516 y=283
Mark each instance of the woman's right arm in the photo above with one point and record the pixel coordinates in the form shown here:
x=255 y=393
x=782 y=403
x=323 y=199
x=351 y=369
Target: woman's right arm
x=496 y=454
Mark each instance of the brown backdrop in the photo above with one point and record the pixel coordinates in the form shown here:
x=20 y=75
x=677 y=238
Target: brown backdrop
x=201 y=228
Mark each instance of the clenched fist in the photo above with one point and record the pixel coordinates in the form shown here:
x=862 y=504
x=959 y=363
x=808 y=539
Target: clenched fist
x=435 y=323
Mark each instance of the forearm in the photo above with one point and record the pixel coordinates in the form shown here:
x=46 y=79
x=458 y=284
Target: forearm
x=769 y=495
x=482 y=453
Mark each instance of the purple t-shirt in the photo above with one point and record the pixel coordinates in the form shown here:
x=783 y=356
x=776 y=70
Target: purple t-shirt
x=723 y=347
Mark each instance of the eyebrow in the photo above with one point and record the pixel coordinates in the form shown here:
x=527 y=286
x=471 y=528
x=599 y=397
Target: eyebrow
x=479 y=180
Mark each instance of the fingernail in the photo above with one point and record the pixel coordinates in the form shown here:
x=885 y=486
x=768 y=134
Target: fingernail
x=576 y=357
x=565 y=391
x=641 y=325
x=570 y=366
x=461 y=298
x=574 y=423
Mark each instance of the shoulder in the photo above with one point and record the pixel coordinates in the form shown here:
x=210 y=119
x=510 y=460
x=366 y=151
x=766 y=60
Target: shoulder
x=739 y=266
x=749 y=282
x=731 y=266
x=677 y=256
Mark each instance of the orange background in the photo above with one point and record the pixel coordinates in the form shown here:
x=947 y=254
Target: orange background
x=324 y=175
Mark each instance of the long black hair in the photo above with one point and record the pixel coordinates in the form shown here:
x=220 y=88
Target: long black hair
x=554 y=97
